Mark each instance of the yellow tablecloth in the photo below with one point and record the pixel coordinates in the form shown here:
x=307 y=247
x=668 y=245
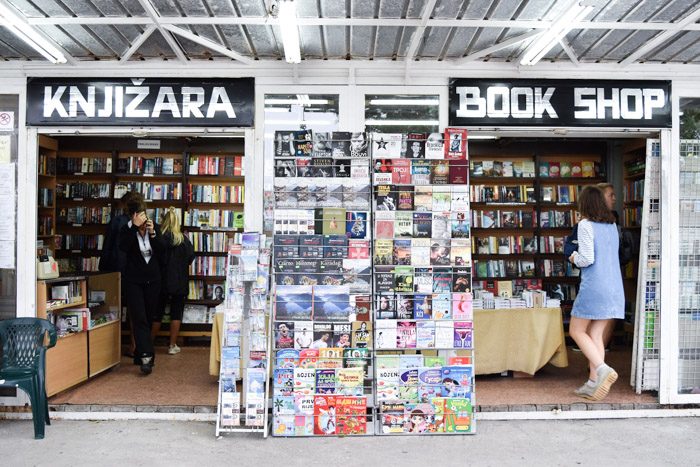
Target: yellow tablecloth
x=518 y=339
x=215 y=349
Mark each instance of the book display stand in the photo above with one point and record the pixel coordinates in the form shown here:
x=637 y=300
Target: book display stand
x=244 y=351
x=423 y=328
x=321 y=320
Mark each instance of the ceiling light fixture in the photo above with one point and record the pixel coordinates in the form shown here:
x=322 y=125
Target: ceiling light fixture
x=558 y=29
x=28 y=34
x=401 y=122
x=289 y=26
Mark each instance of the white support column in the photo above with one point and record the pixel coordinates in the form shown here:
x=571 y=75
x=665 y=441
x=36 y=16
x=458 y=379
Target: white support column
x=253 y=164
x=26 y=217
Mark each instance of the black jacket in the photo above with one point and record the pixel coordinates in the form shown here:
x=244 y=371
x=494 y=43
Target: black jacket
x=112 y=258
x=137 y=270
x=176 y=265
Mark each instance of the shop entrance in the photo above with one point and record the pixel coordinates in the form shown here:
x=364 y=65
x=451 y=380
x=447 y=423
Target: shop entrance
x=81 y=179
x=524 y=195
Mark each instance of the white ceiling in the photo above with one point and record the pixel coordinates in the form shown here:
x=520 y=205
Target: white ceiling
x=459 y=32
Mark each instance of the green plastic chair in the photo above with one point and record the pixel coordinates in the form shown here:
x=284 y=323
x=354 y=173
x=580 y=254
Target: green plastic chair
x=23 y=363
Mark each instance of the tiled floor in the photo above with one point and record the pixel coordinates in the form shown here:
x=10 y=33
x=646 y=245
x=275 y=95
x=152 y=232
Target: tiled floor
x=183 y=380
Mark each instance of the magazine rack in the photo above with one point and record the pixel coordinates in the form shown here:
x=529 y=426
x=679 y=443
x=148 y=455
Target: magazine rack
x=244 y=352
x=423 y=327
x=320 y=314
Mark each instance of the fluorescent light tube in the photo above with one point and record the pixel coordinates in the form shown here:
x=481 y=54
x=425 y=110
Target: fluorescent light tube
x=296 y=101
x=550 y=37
x=401 y=122
x=28 y=34
x=404 y=102
x=290 y=30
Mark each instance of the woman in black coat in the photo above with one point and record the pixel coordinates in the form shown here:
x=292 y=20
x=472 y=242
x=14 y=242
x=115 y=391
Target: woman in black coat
x=142 y=242
x=179 y=253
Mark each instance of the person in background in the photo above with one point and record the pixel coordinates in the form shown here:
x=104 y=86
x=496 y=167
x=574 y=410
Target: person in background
x=601 y=297
x=625 y=251
x=142 y=242
x=179 y=253
x=112 y=258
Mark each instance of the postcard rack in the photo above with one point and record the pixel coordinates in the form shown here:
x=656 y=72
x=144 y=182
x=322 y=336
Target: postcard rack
x=423 y=316
x=320 y=317
x=244 y=371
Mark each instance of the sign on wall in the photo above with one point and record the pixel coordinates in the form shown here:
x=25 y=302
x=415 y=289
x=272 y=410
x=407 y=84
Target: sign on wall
x=141 y=102
x=560 y=103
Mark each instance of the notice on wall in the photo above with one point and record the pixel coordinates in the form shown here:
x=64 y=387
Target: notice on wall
x=7 y=255
x=5 y=149
x=7 y=203
x=7 y=121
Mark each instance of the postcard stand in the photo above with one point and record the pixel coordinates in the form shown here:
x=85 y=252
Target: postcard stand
x=322 y=346
x=424 y=368
x=242 y=407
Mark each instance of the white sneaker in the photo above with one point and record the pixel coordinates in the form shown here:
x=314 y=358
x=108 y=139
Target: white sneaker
x=173 y=349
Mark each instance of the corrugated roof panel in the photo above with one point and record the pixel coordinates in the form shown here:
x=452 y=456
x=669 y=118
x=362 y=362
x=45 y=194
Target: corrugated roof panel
x=39 y=8
x=12 y=48
x=676 y=11
x=477 y=9
x=250 y=8
x=364 y=8
x=129 y=31
x=307 y=8
x=393 y=8
x=581 y=41
x=537 y=10
x=645 y=10
x=220 y=8
x=336 y=41
x=505 y=10
x=362 y=41
x=94 y=44
x=674 y=47
x=612 y=11
x=195 y=51
x=110 y=35
x=310 y=42
x=607 y=44
x=637 y=39
x=458 y=44
x=190 y=8
x=690 y=53
x=406 y=41
x=388 y=41
x=261 y=36
x=80 y=8
x=513 y=51
x=486 y=39
x=415 y=9
x=433 y=41
x=165 y=7
x=154 y=47
x=446 y=9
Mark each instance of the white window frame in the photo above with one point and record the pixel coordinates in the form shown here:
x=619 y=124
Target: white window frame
x=361 y=93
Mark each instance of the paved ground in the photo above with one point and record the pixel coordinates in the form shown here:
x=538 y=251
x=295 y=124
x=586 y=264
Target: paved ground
x=653 y=442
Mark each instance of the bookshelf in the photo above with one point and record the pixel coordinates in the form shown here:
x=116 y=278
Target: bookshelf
x=89 y=330
x=523 y=206
x=201 y=180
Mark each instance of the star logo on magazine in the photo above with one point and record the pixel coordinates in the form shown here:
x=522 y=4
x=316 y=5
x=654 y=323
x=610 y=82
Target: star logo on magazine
x=381 y=144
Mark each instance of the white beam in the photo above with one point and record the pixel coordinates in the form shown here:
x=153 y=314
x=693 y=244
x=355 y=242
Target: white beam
x=393 y=22
x=499 y=46
x=662 y=37
x=137 y=43
x=209 y=44
x=569 y=51
x=420 y=30
x=155 y=18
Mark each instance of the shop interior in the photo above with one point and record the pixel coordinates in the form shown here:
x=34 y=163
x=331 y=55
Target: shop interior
x=185 y=379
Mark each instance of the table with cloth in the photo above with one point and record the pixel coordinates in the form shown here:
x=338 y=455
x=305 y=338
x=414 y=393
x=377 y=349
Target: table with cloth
x=518 y=339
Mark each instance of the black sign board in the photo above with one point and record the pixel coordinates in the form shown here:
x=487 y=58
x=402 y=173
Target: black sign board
x=141 y=102
x=560 y=103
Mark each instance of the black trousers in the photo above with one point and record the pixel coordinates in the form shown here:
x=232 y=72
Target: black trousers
x=177 y=307
x=142 y=301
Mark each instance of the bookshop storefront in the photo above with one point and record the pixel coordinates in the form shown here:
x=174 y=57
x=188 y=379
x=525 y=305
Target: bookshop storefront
x=186 y=146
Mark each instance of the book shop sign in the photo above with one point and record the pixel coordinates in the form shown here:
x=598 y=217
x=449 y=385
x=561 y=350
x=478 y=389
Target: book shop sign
x=150 y=101
x=560 y=103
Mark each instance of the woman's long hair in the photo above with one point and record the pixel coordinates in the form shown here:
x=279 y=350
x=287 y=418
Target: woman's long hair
x=591 y=205
x=171 y=223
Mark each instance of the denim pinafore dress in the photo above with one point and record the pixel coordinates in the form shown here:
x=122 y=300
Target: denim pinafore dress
x=601 y=295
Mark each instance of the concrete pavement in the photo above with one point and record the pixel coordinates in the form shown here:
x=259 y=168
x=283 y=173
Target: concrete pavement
x=638 y=442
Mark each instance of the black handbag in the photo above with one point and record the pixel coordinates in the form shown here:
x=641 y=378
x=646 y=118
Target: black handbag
x=571 y=243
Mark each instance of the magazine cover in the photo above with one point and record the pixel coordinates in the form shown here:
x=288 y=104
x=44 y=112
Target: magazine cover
x=423 y=279
x=402 y=252
x=420 y=252
x=415 y=146
x=357 y=358
x=283 y=381
x=326 y=381
x=463 y=335
x=350 y=381
x=420 y=172
x=284 y=335
x=456 y=143
x=358 y=145
x=408 y=384
x=331 y=303
x=385 y=334
x=401 y=172
x=434 y=148
x=351 y=415
x=425 y=334
x=324 y=415
x=458 y=415
x=287 y=358
x=356 y=224
x=386 y=145
x=293 y=302
x=387 y=383
x=406 y=335
x=284 y=144
x=421 y=306
x=362 y=334
x=387 y=198
x=405 y=198
x=342 y=335
x=403 y=224
x=385 y=306
x=457 y=381
x=444 y=334
x=308 y=358
x=340 y=144
x=422 y=225
x=429 y=383
x=384 y=224
x=392 y=416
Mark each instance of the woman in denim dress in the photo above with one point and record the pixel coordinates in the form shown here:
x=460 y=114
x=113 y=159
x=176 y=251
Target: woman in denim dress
x=601 y=297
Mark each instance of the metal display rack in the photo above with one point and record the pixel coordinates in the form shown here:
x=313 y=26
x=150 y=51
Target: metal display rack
x=423 y=332
x=320 y=317
x=645 y=361
x=244 y=352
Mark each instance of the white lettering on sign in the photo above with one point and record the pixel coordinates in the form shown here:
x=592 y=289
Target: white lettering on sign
x=502 y=102
x=624 y=103
x=131 y=102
